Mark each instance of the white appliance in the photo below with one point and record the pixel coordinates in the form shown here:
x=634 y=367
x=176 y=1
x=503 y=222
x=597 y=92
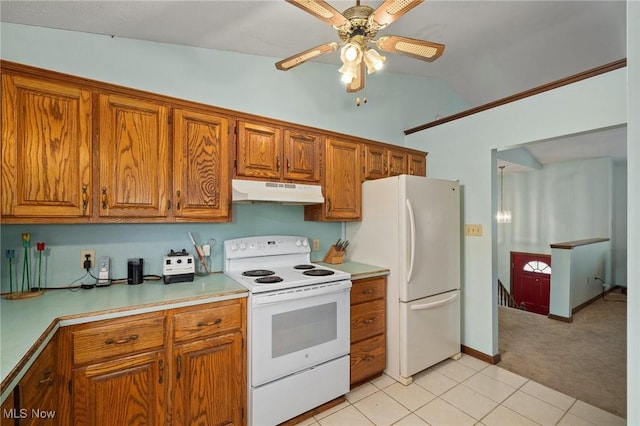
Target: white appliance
x=298 y=326
x=411 y=225
x=253 y=191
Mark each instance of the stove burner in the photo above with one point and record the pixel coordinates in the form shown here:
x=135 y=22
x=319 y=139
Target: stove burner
x=258 y=273
x=304 y=267
x=318 y=272
x=271 y=279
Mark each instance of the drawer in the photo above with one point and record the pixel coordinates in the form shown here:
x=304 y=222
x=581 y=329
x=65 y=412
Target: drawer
x=114 y=338
x=368 y=289
x=37 y=388
x=368 y=359
x=367 y=319
x=207 y=320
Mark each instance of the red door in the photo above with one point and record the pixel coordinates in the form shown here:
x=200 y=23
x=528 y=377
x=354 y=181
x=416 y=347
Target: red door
x=531 y=281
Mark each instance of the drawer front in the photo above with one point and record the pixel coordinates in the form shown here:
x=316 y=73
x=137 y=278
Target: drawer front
x=367 y=319
x=117 y=337
x=368 y=358
x=368 y=289
x=206 y=321
x=37 y=386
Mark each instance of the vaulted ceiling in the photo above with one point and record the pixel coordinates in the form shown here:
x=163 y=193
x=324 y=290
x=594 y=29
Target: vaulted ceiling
x=493 y=48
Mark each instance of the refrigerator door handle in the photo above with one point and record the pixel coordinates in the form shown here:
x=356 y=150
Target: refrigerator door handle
x=434 y=304
x=412 y=224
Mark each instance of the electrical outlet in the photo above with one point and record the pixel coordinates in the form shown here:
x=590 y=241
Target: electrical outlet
x=83 y=257
x=315 y=245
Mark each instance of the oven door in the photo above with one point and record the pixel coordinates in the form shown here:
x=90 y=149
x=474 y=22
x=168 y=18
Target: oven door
x=294 y=329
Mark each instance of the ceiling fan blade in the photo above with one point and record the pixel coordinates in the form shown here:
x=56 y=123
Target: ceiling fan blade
x=358 y=80
x=302 y=57
x=391 y=10
x=419 y=49
x=321 y=10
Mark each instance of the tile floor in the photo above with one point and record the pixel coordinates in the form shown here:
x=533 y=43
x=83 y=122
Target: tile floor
x=457 y=393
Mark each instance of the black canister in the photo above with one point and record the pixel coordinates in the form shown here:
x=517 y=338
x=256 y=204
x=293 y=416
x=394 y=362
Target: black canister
x=134 y=271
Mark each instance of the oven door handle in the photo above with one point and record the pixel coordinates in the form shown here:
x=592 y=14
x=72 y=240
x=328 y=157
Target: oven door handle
x=300 y=293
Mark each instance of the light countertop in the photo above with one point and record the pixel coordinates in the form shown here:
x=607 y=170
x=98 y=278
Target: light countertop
x=27 y=325
x=358 y=270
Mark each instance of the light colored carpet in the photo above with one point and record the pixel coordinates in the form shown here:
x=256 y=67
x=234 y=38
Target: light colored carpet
x=585 y=359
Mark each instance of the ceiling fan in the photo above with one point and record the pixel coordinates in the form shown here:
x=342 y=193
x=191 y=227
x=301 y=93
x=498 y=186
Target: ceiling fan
x=357 y=26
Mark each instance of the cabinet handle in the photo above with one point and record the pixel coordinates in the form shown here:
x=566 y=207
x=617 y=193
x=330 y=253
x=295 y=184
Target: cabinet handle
x=368 y=358
x=85 y=198
x=179 y=199
x=207 y=324
x=104 y=197
x=129 y=339
x=160 y=371
x=369 y=321
x=179 y=370
x=278 y=163
x=288 y=165
x=367 y=291
x=46 y=379
x=328 y=204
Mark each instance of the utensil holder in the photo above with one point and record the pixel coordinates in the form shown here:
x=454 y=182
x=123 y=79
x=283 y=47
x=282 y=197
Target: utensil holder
x=334 y=256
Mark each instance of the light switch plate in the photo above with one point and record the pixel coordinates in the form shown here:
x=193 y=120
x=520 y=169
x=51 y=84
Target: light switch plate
x=473 y=230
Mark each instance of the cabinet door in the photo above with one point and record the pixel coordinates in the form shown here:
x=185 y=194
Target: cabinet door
x=259 y=151
x=126 y=391
x=343 y=188
x=134 y=158
x=200 y=166
x=417 y=165
x=397 y=163
x=209 y=382
x=46 y=149
x=302 y=156
x=375 y=162
x=38 y=389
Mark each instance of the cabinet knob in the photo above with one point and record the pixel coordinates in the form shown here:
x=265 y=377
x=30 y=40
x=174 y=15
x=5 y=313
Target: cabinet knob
x=179 y=199
x=85 y=198
x=207 y=324
x=278 y=163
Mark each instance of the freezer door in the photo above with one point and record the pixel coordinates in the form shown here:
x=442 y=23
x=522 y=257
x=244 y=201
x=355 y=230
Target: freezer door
x=431 y=223
x=429 y=332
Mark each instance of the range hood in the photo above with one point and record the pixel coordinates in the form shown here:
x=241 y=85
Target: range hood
x=251 y=191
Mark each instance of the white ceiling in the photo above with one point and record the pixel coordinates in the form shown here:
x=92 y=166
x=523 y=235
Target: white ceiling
x=493 y=48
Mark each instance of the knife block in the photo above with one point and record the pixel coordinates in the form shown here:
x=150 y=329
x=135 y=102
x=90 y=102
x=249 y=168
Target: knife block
x=334 y=256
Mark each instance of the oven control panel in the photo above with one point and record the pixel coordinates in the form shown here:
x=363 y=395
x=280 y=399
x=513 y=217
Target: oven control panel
x=265 y=246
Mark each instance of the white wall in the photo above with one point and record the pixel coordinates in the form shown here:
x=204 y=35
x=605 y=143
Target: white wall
x=567 y=201
x=465 y=150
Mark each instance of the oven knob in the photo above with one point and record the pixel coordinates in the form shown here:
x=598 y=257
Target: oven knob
x=234 y=247
x=243 y=246
x=305 y=243
x=298 y=243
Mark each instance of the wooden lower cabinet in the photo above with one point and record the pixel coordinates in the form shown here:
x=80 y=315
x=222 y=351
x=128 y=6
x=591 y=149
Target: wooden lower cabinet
x=368 y=329
x=181 y=366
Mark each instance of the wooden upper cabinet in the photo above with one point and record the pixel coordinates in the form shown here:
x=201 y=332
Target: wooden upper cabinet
x=375 y=162
x=134 y=157
x=46 y=149
x=259 y=151
x=418 y=164
x=200 y=166
x=342 y=183
x=302 y=156
x=397 y=162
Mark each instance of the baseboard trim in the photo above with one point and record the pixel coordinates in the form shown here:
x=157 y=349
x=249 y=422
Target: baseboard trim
x=593 y=299
x=560 y=318
x=491 y=359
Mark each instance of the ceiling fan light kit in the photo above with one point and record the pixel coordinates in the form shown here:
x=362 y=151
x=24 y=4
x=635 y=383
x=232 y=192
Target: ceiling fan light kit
x=357 y=26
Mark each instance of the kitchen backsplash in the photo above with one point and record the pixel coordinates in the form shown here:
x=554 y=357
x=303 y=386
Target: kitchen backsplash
x=63 y=243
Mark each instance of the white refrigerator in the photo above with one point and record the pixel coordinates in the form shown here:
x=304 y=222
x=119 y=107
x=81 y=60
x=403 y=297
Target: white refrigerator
x=411 y=225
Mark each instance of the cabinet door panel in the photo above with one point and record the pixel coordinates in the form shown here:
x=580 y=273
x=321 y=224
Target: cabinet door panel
x=259 y=151
x=397 y=163
x=201 y=159
x=134 y=160
x=127 y=391
x=209 y=382
x=375 y=162
x=302 y=156
x=343 y=186
x=417 y=165
x=46 y=148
